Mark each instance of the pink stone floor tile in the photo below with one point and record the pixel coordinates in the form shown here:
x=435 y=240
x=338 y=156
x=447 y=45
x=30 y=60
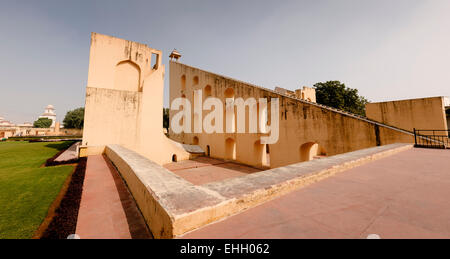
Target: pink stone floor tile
x=204 y=170
x=406 y=195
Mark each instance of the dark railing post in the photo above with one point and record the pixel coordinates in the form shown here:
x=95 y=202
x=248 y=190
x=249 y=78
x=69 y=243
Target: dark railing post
x=415 y=137
x=436 y=145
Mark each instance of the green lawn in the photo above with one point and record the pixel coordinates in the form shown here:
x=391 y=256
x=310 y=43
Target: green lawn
x=26 y=190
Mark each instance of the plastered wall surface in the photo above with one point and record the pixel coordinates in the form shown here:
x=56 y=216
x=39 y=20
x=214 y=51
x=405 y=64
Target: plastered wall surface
x=300 y=123
x=124 y=100
x=423 y=113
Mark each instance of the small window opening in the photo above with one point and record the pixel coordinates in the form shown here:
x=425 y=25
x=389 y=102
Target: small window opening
x=155 y=61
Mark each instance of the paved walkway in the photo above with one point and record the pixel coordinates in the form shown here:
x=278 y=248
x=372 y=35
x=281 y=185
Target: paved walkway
x=204 y=170
x=107 y=209
x=406 y=195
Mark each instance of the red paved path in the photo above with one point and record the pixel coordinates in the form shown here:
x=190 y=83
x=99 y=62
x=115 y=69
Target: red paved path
x=107 y=209
x=406 y=195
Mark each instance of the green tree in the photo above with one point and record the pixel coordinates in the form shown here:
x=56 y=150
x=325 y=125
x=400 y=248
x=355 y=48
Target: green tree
x=43 y=123
x=166 y=118
x=74 y=119
x=335 y=94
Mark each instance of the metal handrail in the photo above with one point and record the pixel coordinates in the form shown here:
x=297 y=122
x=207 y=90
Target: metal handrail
x=432 y=138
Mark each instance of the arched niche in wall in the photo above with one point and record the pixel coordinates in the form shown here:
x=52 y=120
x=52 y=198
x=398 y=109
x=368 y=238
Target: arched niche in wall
x=127 y=76
x=230 y=149
x=184 y=105
x=310 y=151
x=195 y=81
x=195 y=141
x=229 y=93
x=183 y=83
x=230 y=116
x=207 y=91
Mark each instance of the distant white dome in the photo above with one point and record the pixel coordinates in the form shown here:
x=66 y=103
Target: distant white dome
x=49 y=113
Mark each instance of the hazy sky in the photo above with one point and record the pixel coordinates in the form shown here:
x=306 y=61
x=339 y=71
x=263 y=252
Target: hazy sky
x=386 y=49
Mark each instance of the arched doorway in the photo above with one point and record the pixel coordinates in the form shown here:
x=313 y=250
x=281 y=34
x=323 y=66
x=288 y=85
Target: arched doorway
x=310 y=151
x=195 y=140
x=230 y=149
x=261 y=154
x=208 y=150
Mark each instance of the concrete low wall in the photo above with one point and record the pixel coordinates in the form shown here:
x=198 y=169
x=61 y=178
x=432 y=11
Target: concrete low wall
x=163 y=197
x=172 y=206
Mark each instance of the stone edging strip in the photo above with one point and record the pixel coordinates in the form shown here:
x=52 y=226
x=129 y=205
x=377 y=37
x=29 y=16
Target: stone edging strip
x=172 y=206
x=53 y=160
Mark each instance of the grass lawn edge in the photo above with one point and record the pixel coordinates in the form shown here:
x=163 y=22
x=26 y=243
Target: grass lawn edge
x=53 y=207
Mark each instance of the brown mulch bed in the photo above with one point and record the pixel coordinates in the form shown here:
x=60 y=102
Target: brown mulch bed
x=64 y=222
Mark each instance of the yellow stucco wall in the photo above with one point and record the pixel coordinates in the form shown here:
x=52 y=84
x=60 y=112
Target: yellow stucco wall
x=306 y=93
x=424 y=113
x=448 y=121
x=124 y=100
x=300 y=123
